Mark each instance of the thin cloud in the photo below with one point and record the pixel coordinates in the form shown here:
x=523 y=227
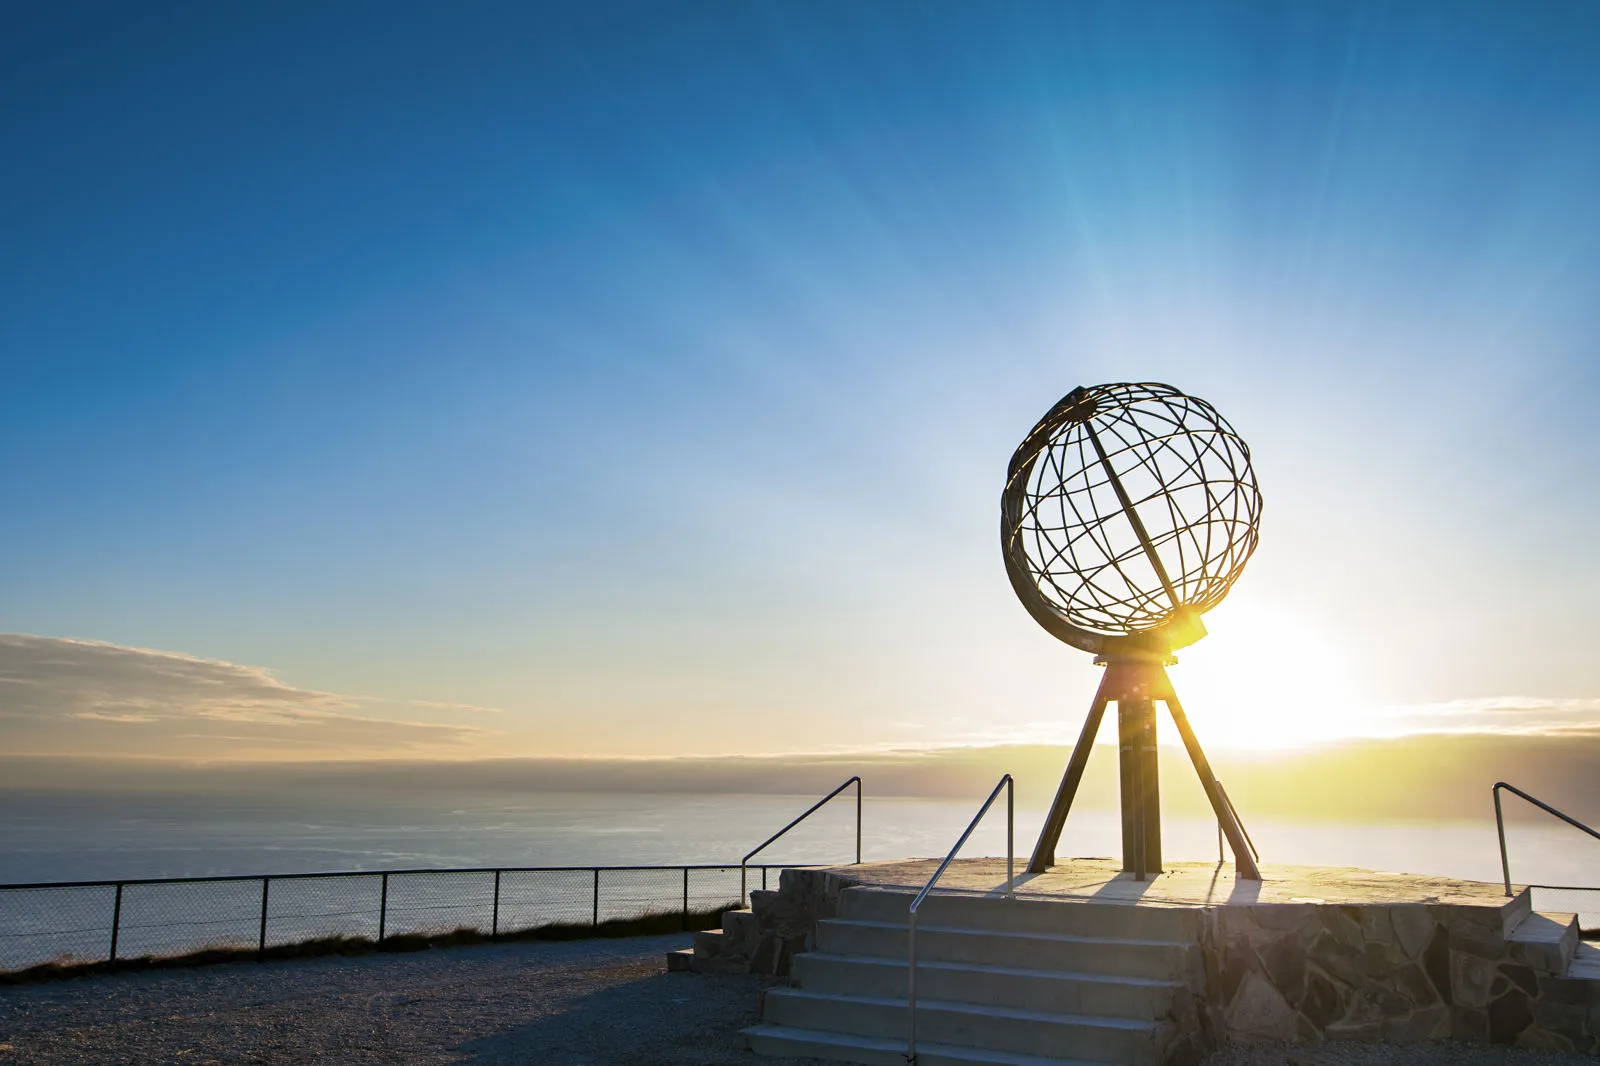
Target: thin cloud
x=1508 y=716
x=82 y=697
x=445 y=706
x=1497 y=716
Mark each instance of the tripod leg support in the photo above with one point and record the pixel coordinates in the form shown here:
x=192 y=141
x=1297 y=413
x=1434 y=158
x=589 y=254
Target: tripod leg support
x=1044 y=853
x=1141 y=681
x=1244 y=861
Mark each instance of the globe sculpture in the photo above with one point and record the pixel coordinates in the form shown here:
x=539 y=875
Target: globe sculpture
x=1129 y=511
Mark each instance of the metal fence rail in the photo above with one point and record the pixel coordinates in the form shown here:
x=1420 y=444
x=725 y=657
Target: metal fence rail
x=74 y=922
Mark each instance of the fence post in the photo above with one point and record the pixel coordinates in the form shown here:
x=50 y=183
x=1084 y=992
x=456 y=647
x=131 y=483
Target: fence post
x=494 y=922
x=261 y=942
x=383 y=909
x=595 y=919
x=116 y=922
x=685 y=922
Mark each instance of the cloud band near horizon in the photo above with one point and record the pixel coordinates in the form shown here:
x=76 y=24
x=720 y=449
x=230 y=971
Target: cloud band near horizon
x=81 y=697
x=65 y=696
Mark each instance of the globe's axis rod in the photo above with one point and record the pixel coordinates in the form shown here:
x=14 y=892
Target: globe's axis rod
x=1133 y=516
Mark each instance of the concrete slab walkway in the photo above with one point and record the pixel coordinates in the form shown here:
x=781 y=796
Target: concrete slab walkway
x=1186 y=883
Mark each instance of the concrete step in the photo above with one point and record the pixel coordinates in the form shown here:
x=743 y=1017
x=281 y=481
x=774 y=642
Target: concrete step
x=708 y=942
x=1001 y=986
x=880 y=1051
x=1144 y=921
x=1164 y=960
x=736 y=922
x=1545 y=942
x=680 y=960
x=1585 y=962
x=1026 y=1032
x=1515 y=911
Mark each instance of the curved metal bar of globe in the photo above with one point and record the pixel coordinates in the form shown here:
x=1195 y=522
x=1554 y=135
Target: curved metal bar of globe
x=1133 y=517
x=1044 y=852
x=1243 y=861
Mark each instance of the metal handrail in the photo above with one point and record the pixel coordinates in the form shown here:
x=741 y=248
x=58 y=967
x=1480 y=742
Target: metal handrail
x=856 y=781
x=1500 y=825
x=911 y=915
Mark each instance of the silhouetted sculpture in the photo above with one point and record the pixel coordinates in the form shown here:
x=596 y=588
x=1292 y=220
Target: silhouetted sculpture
x=1129 y=510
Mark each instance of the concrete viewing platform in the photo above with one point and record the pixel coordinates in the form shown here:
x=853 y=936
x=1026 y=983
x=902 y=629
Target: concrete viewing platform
x=1185 y=883
x=1089 y=964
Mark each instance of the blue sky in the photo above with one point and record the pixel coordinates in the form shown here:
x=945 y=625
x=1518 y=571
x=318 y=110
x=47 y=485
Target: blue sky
x=647 y=372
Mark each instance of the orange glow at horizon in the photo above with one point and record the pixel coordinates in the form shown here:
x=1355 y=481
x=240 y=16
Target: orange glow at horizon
x=1264 y=679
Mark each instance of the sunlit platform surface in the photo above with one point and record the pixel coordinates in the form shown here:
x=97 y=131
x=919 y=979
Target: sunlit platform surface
x=1184 y=883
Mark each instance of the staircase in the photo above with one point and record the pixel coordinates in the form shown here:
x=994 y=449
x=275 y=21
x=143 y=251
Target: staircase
x=1551 y=944
x=1003 y=982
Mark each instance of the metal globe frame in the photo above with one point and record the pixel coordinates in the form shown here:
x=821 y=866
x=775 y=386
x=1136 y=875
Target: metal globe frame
x=1129 y=510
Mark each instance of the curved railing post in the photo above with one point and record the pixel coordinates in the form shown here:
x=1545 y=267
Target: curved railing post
x=1500 y=824
x=1500 y=831
x=911 y=914
x=744 y=863
x=858 y=821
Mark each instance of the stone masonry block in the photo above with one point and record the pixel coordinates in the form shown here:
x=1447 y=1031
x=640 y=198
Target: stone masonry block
x=1429 y=1023
x=1469 y=1023
x=1259 y=1013
x=1509 y=1015
x=1278 y=917
x=1471 y=979
x=1436 y=963
x=1375 y=924
x=1534 y=1038
x=1413 y=981
x=1342 y=925
x=1413 y=928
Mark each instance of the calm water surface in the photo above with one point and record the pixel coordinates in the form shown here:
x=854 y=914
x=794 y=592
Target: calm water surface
x=53 y=837
x=60 y=837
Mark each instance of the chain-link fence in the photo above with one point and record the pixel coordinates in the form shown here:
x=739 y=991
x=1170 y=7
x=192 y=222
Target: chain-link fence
x=74 y=923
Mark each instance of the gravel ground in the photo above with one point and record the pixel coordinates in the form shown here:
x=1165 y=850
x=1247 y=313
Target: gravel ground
x=1395 y=1055
x=589 y=1002
x=579 y=1003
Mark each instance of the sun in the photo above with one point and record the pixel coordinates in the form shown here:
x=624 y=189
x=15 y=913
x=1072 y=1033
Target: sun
x=1265 y=678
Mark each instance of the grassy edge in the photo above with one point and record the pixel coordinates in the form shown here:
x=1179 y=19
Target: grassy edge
x=649 y=924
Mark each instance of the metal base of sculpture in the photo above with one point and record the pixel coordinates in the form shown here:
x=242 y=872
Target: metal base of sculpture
x=1135 y=680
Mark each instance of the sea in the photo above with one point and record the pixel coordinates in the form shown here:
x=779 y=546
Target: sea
x=58 y=836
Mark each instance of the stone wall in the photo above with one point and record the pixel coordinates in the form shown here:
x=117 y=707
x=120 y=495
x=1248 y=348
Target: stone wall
x=1401 y=973
x=777 y=927
x=1302 y=972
